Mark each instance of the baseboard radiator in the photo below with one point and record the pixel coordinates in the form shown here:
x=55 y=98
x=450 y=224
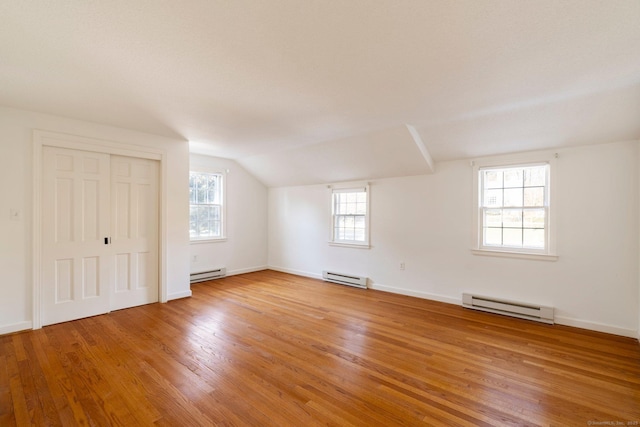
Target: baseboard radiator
x=345 y=279
x=208 y=275
x=509 y=308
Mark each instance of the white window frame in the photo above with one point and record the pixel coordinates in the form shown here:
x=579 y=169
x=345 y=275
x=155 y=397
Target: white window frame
x=350 y=189
x=514 y=161
x=223 y=207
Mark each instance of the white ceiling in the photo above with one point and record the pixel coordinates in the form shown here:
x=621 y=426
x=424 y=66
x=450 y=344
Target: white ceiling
x=289 y=87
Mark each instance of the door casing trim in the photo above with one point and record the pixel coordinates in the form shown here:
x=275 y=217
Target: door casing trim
x=43 y=138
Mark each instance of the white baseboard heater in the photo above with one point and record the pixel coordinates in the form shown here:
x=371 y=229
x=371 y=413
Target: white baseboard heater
x=208 y=275
x=345 y=279
x=509 y=308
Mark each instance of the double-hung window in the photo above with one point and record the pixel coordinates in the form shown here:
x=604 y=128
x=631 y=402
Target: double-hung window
x=350 y=216
x=206 y=213
x=514 y=209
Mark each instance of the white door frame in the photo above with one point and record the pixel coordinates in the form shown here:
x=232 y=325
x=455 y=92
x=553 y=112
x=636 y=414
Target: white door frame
x=55 y=139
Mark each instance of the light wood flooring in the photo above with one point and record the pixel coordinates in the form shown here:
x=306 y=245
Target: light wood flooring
x=272 y=349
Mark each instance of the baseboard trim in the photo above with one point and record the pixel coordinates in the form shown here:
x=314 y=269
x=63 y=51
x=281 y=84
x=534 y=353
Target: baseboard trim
x=296 y=272
x=178 y=295
x=16 y=327
x=247 y=270
x=598 y=327
x=417 y=294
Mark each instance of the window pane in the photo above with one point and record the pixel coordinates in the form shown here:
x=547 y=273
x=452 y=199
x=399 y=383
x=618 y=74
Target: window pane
x=193 y=220
x=204 y=228
x=216 y=229
x=201 y=189
x=212 y=193
x=534 y=238
x=359 y=235
x=513 y=197
x=493 y=179
x=493 y=236
x=512 y=218
x=534 y=218
x=534 y=196
x=349 y=221
x=204 y=213
x=336 y=234
x=493 y=198
x=192 y=185
x=493 y=218
x=215 y=212
x=535 y=176
x=338 y=231
x=513 y=178
x=341 y=204
x=512 y=237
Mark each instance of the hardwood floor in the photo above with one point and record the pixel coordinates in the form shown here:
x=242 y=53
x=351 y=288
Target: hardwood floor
x=271 y=349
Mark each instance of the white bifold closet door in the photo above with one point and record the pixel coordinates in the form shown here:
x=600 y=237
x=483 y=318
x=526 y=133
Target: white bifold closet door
x=99 y=233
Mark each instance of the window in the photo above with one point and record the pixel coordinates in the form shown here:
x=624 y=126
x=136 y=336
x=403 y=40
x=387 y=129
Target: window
x=514 y=209
x=206 y=206
x=350 y=216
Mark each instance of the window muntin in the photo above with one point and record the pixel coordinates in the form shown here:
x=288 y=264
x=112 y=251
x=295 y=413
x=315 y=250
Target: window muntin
x=350 y=216
x=205 y=206
x=514 y=208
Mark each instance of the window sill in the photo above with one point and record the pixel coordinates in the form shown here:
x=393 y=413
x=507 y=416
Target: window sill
x=351 y=245
x=212 y=240
x=517 y=255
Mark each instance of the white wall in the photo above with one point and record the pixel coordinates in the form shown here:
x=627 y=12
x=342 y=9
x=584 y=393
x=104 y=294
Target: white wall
x=425 y=221
x=16 y=154
x=245 y=248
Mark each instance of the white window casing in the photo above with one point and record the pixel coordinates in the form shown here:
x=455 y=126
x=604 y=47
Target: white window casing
x=207 y=206
x=514 y=206
x=350 y=208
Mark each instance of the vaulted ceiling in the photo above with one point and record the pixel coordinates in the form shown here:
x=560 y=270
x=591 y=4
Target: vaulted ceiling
x=328 y=90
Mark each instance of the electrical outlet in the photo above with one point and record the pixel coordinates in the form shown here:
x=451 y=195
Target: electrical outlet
x=402 y=265
x=194 y=258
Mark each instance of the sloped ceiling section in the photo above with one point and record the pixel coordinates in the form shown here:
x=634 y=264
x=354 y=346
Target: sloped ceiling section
x=323 y=90
x=383 y=154
x=564 y=119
